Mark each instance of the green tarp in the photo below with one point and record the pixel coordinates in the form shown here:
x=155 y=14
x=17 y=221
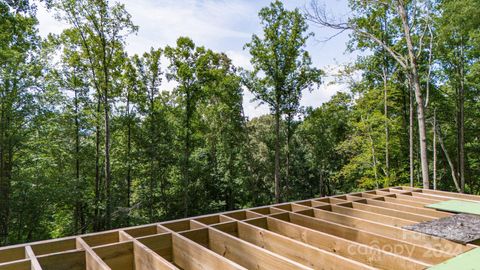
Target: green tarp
x=469 y=260
x=457 y=206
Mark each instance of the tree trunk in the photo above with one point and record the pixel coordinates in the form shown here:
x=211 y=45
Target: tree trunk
x=78 y=186
x=385 y=100
x=434 y=131
x=152 y=157
x=461 y=124
x=410 y=136
x=374 y=157
x=5 y=176
x=277 y=155
x=186 y=154
x=387 y=132
x=287 y=157
x=96 y=224
x=321 y=183
x=108 y=179
x=418 y=95
x=449 y=160
x=129 y=152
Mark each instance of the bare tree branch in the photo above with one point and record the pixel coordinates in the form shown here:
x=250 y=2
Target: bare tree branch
x=317 y=14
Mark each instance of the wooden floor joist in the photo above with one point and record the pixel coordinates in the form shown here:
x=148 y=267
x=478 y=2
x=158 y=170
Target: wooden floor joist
x=361 y=230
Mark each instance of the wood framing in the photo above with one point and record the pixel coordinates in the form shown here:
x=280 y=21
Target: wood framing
x=354 y=231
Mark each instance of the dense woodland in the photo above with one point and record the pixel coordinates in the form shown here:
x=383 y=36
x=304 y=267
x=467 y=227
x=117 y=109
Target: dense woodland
x=91 y=139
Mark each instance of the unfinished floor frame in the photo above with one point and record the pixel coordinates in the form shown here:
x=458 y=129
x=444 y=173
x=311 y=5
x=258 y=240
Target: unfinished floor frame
x=353 y=231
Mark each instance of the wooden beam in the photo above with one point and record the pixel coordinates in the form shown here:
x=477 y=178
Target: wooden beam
x=295 y=250
x=160 y=244
x=196 y=225
x=446 y=194
x=100 y=239
x=67 y=260
x=409 y=197
x=349 y=211
x=403 y=248
x=33 y=259
x=24 y=264
x=54 y=246
x=421 y=195
x=387 y=212
x=93 y=261
x=146 y=259
x=142 y=231
x=363 y=253
x=392 y=232
x=118 y=256
x=8 y=254
x=404 y=208
x=191 y=256
x=247 y=254
x=314 y=233
x=397 y=200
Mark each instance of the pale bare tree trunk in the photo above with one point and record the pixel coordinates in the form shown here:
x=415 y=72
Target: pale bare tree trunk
x=418 y=94
x=387 y=132
x=449 y=160
x=385 y=100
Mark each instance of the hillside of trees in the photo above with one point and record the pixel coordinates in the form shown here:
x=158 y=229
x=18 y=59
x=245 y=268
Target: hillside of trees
x=91 y=139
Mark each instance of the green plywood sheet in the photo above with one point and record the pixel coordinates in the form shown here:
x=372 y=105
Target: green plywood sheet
x=465 y=261
x=457 y=206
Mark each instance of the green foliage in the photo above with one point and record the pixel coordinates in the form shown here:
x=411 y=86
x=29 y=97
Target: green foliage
x=191 y=150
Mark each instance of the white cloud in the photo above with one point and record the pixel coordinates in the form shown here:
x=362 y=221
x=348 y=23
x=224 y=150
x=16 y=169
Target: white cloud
x=240 y=59
x=47 y=22
x=253 y=108
x=209 y=23
x=221 y=25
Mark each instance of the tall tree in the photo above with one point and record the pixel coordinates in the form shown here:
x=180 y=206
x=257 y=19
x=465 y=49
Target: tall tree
x=100 y=29
x=282 y=67
x=457 y=25
x=189 y=68
x=406 y=56
x=19 y=51
x=150 y=78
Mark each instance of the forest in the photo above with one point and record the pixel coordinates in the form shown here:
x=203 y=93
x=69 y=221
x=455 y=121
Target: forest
x=91 y=139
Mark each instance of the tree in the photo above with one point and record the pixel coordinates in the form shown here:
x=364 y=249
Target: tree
x=457 y=26
x=189 y=68
x=19 y=69
x=156 y=130
x=72 y=77
x=224 y=134
x=100 y=30
x=321 y=132
x=282 y=67
x=407 y=56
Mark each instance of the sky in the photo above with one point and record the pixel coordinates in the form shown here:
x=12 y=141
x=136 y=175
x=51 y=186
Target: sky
x=224 y=26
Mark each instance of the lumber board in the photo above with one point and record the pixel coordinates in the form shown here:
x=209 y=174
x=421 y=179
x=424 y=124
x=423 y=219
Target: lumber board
x=191 y=256
x=316 y=233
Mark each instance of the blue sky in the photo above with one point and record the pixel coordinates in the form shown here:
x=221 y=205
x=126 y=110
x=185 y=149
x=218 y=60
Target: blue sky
x=224 y=25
